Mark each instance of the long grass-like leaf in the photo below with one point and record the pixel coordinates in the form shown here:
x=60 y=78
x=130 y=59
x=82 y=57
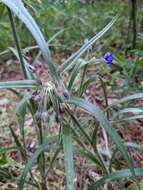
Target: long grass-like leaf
x=21 y=120
x=126 y=99
x=56 y=153
x=82 y=130
x=68 y=156
x=18 y=8
x=26 y=64
x=18 y=84
x=134 y=145
x=88 y=155
x=128 y=119
x=17 y=142
x=17 y=43
x=86 y=84
x=22 y=103
x=34 y=157
x=7 y=149
x=75 y=72
x=96 y=112
x=20 y=111
x=128 y=110
x=116 y=176
x=34 y=47
x=72 y=60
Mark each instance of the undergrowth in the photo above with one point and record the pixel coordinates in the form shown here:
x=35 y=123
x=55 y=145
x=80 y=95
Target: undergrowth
x=62 y=100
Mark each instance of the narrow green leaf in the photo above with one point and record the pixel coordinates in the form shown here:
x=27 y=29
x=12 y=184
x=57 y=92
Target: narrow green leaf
x=86 y=84
x=79 y=65
x=128 y=110
x=33 y=158
x=88 y=155
x=18 y=8
x=70 y=62
x=7 y=149
x=52 y=38
x=17 y=142
x=68 y=156
x=134 y=145
x=21 y=120
x=87 y=137
x=22 y=103
x=17 y=43
x=56 y=153
x=96 y=112
x=128 y=119
x=4 y=172
x=30 y=48
x=18 y=84
x=74 y=75
x=128 y=145
x=20 y=111
x=128 y=98
x=116 y=176
x=26 y=64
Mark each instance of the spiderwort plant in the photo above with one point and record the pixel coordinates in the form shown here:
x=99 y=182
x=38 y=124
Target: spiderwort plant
x=53 y=97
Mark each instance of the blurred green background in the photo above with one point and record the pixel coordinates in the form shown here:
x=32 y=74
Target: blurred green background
x=80 y=19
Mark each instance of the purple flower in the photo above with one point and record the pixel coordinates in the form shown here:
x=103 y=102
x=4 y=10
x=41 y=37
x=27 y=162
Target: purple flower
x=108 y=58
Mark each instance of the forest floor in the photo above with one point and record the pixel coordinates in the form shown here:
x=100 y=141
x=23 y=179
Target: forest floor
x=85 y=171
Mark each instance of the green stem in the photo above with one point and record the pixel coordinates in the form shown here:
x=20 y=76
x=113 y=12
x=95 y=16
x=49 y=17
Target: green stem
x=17 y=41
x=94 y=146
x=103 y=85
x=83 y=75
x=112 y=160
x=82 y=79
x=41 y=160
x=89 y=140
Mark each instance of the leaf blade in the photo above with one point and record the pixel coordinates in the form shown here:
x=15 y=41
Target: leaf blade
x=34 y=157
x=18 y=8
x=18 y=84
x=72 y=60
x=68 y=156
x=96 y=112
x=116 y=176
